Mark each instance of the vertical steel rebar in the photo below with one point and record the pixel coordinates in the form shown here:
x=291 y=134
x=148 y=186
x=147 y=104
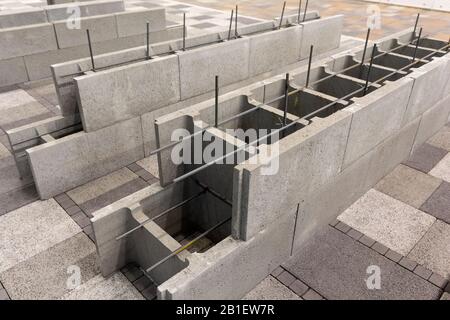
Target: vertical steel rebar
x=90 y=49
x=148 y=41
x=306 y=8
x=370 y=68
x=308 y=74
x=286 y=99
x=417 y=22
x=299 y=11
x=231 y=24
x=417 y=44
x=282 y=15
x=184 y=31
x=216 y=104
x=364 y=52
x=236 y=35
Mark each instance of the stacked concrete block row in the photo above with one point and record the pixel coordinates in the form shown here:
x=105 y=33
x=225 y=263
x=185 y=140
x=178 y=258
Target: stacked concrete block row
x=325 y=163
x=153 y=81
x=34 y=39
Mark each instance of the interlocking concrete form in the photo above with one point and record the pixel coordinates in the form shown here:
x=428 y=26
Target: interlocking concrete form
x=326 y=162
x=135 y=108
x=35 y=39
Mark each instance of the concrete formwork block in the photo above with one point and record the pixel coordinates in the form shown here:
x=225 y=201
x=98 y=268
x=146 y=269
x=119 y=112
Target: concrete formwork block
x=133 y=22
x=270 y=51
x=89 y=8
x=114 y=95
x=21 y=41
x=22 y=17
x=324 y=34
x=308 y=159
x=376 y=116
x=198 y=67
x=429 y=83
x=232 y=268
x=432 y=120
x=101 y=28
x=295 y=18
x=12 y=71
x=68 y=162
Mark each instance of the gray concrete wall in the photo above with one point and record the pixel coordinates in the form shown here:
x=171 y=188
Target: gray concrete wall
x=18 y=18
x=88 y=8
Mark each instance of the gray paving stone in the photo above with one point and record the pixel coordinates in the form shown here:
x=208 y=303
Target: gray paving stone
x=442 y=169
x=147 y=176
x=381 y=249
x=336 y=266
x=271 y=289
x=438 y=280
x=433 y=250
x=32 y=229
x=312 y=295
x=298 y=287
x=134 y=167
x=408 y=185
x=441 y=139
x=425 y=157
x=149 y=293
x=343 y=227
x=355 y=234
x=15 y=199
x=407 y=263
x=390 y=222
x=438 y=204
x=423 y=272
x=277 y=271
x=286 y=278
x=3 y=295
x=394 y=256
x=142 y=283
x=45 y=275
x=367 y=241
x=132 y=273
x=73 y=210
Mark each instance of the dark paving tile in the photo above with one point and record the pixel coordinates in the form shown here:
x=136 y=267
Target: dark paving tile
x=438 y=280
x=425 y=157
x=367 y=241
x=423 y=272
x=142 y=283
x=299 y=287
x=132 y=272
x=204 y=25
x=286 y=278
x=394 y=256
x=438 y=204
x=312 y=295
x=277 y=271
x=15 y=199
x=149 y=293
x=381 y=249
x=202 y=17
x=335 y=265
x=113 y=195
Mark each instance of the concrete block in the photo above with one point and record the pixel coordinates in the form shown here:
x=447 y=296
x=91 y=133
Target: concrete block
x=213 y=275
x=324 y=34
x=428 y=89
x=128 y=91
x=89 y=8
x=12 y=71
x=101 y=28
x=432 y=120
x=272 y=50
x=21 y=41
x=133 y=22
x=376 y=117
x=22 y=17
x=68 y=162
x=313 y=154
x=198 y=67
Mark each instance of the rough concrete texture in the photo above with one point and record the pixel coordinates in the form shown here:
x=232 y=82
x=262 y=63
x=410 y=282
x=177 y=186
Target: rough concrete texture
x=12 y=71
x=433 y=250
x=117 y=287
x=442 y=169
x=91 y=8
x=271 y=289
x=213 y=275
x=21 y=41
x=388 y=221
x=22 y=17
x=114 y=95
x=441 y=139
x=312 y=154
x=408 y=185
x=425 y=157
x=336 y=266
x=101 y=28
x=133 y=22
x=323 y=34
x=46 y=221
x=374 y=118
x=76 y=159
x=46 y=275
x=437 y=205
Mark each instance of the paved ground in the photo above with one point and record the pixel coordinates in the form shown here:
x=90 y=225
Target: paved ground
x=401 y=226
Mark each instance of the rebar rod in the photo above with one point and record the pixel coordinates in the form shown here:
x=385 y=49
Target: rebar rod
x=363 y=58
x=184 y=31
x=231 y=24
x=417 y=45
x=90 y=49
x=286 y=98
x=299 y=11
x=236 y=35
x=306 y=8
x=308 y=73
x=282 y=15
x=374 y=49
x=417 y=22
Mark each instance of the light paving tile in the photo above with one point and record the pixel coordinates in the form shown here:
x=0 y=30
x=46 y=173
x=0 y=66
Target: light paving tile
x=4 y=152
x=52 y=273
x=433 y=250
x=101 y=185
x=150 y=164
x=116 y=287
x=32 y=229
x=442 y=169
x=271 y=289
x=438 y=205
x=388 y=221
x=441 y=139
x=408 y=185
x=21 y=112
x=336 y=265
